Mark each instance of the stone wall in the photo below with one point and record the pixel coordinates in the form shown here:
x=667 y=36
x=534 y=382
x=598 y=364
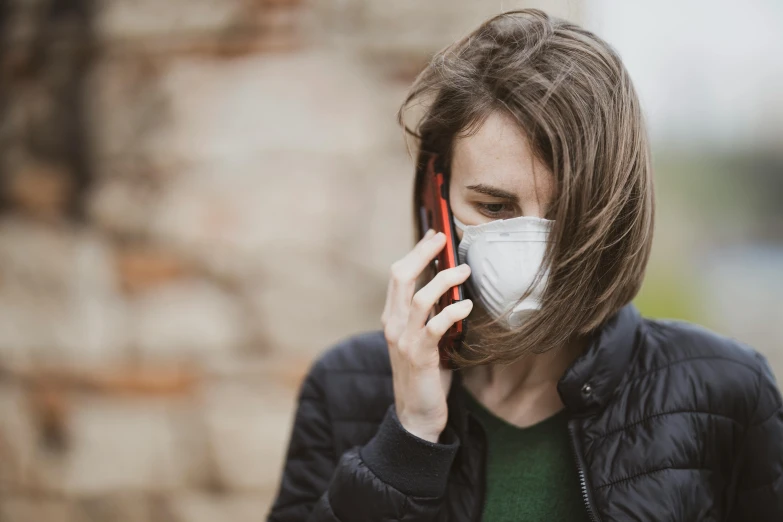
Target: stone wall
x=197 y=198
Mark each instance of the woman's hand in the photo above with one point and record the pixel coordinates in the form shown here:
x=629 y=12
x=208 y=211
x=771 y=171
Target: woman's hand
x=420 y=384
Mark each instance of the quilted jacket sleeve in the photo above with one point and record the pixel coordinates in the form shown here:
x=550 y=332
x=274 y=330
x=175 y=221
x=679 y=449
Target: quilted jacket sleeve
x=395 y=476
x=759 y=494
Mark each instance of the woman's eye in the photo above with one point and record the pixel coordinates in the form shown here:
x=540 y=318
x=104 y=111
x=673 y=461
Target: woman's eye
x=492 y=209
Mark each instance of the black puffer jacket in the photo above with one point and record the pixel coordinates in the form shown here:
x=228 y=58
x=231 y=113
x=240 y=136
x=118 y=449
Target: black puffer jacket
x=669 y=421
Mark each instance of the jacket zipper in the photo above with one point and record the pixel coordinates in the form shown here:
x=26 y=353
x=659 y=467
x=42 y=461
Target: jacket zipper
x=582 y=479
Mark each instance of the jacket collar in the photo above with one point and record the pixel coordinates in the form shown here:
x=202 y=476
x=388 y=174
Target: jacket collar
x=590 y=381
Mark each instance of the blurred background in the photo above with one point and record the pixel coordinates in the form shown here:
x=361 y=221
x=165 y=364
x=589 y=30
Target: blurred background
x=199 y=196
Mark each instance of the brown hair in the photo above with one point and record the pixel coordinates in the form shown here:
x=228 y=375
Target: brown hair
x=570 y=93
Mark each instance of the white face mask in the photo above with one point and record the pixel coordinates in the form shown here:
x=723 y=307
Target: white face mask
x=504 y=257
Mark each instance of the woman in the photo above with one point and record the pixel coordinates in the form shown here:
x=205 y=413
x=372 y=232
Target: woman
x=567 y=404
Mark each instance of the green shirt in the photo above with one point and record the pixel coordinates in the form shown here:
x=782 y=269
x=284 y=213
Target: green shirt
x=531 y=472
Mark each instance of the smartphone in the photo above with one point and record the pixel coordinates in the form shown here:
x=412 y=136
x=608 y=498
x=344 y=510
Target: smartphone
x=435 y=213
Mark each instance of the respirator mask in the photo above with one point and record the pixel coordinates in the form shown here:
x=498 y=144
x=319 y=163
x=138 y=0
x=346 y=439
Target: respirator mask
x=505 y=256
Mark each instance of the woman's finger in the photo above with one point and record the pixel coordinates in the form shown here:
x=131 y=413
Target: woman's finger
x=425 y=298
x=385 y=313
x=440 y=324
x=405 y=272
x=389 y=287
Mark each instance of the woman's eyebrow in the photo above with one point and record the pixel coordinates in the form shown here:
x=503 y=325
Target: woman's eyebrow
x=493 y=191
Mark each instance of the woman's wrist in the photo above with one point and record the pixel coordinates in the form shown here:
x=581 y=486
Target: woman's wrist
x=428 y=433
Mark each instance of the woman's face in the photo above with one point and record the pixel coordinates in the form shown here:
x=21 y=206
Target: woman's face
x=494 y=175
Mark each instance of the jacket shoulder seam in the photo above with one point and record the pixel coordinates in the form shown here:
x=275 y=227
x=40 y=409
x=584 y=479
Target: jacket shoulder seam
x=695 y=358
x=647 y=373
x=660 y=414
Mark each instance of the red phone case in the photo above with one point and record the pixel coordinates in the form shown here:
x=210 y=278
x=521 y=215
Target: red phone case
x=435 y=213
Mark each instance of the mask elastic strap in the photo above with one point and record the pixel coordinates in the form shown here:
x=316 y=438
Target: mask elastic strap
x=459 y=224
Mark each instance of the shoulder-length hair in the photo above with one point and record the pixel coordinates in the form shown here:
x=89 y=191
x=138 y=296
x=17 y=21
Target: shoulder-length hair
x=573 y=98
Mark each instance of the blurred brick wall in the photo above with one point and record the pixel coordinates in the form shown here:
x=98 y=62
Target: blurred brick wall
x=227 y=208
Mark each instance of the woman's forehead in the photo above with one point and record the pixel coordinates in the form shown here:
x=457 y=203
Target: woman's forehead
x=498 y=154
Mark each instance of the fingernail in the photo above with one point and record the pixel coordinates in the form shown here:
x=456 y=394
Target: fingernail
x=440 y=235
x=468 y=303
x=429 y=234
x=465 y=268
